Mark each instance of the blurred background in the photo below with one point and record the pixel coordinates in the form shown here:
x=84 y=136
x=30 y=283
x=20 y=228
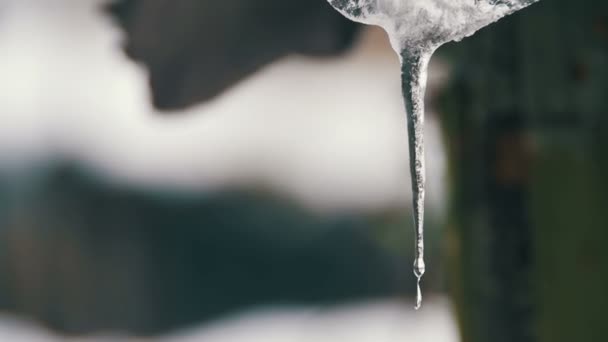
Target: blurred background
x=237 y=171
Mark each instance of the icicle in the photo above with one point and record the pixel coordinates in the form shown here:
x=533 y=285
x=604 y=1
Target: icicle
x=416 y=28
x=414 y=66
x=418 y=294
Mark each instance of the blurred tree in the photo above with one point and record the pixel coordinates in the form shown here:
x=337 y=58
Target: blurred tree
x=526 y=126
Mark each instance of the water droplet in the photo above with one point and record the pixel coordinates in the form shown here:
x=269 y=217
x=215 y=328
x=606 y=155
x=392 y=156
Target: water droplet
x=418 y=295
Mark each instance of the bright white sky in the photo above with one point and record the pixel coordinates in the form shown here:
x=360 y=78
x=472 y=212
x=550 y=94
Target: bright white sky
x=330 y=133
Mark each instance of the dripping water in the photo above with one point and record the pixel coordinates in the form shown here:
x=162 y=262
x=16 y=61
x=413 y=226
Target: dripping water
x=414 y=68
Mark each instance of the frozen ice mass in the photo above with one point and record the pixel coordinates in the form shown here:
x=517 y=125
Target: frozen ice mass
x=427 y=24
x=416 y=28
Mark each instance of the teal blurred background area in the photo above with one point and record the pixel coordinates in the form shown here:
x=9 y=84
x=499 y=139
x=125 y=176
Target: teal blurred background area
x=278 y=209
x=86 y=256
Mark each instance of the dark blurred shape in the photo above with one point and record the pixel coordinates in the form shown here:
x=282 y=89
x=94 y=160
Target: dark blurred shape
x=83 y=256
x=526 y=125
x=195 y=49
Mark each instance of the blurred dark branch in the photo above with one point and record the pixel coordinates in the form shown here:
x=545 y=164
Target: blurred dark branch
x=196 y=49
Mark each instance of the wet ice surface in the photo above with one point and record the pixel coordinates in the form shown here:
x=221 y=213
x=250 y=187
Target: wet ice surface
x=363 y=322
x=416 y=28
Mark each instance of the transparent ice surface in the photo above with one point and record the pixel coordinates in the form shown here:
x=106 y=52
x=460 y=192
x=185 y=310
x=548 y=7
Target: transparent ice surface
x=416 y=28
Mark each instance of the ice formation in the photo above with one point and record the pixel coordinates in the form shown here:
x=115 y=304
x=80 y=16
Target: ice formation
x=416 y=28
x=427 y=24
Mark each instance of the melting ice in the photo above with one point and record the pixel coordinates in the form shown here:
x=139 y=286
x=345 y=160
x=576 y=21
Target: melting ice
x=416 y=28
